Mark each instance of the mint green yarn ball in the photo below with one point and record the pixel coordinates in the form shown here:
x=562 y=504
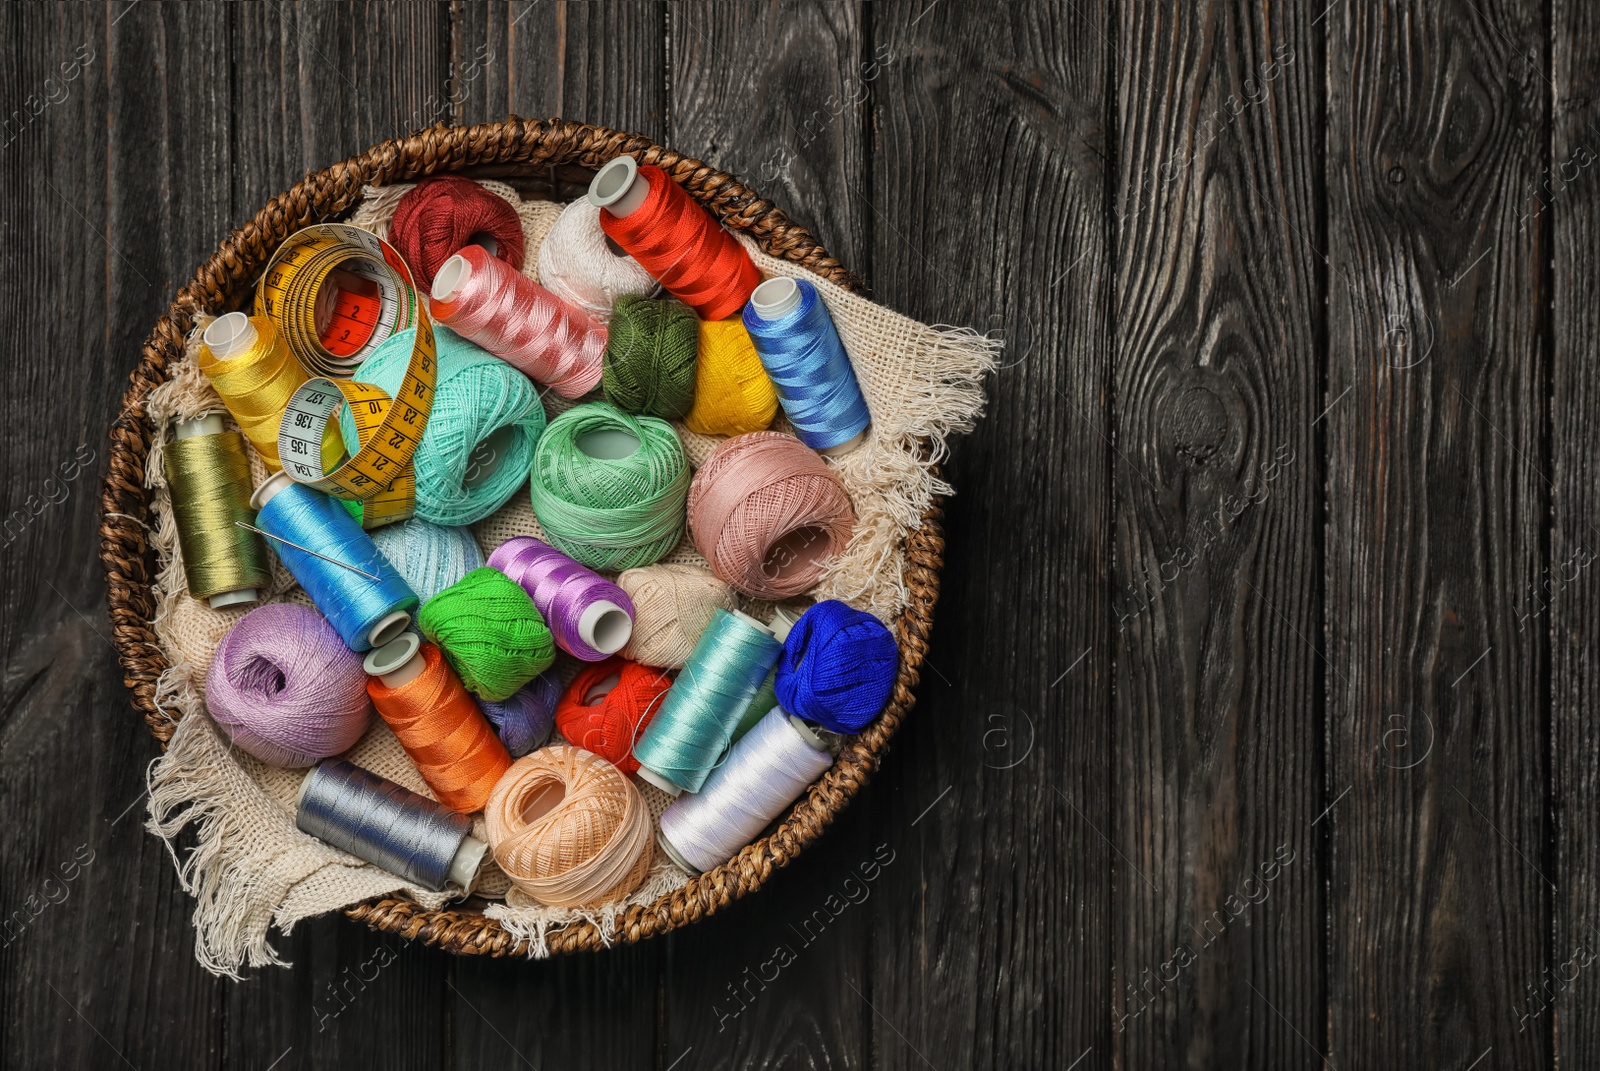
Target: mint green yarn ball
x=486 y=420
x=608 y=487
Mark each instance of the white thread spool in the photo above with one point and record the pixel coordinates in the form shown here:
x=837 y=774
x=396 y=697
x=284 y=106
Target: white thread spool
x=761 y=777
x=775 y=299
x=211 y=424
x=390 y=625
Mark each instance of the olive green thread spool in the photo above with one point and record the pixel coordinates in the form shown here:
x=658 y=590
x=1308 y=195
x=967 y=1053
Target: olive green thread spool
x=208 y=475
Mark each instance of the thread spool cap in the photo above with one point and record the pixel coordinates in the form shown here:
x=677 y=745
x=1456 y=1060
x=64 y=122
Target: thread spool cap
x=464 y=867
x=206 y=424
x=452 y=278
x=605 y=626
x=741 y=615
x=617 y=189
x=269 y=489
x=396 y=662
x=775 y=298
x=305 y=786
x=662 y=783
x=672 y=853
x=783 y=620
x=813 y=736
x=223 y=600
x=229 y=335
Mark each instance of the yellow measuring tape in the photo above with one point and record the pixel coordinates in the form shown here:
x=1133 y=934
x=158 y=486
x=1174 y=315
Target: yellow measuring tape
x=331 y=324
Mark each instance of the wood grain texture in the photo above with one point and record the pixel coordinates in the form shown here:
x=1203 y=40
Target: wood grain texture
x=1155 y=662
x=1566 y=206
x=990 y=206
x=1217 y=382
x=1437 y=497
x=97 y=961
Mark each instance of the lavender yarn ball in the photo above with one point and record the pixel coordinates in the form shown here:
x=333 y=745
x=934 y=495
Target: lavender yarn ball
x=524 y=722
x=284 y=687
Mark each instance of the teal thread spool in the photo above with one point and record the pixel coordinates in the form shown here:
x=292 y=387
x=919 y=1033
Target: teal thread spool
x=695 y=724
x=479 y=441
x=608 y=487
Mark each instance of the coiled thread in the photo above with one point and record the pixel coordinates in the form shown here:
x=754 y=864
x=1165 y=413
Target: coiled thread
x=733 y=393
x=525 y=325
x=354 y=603
x=811 y=370
x=683 y=246
x=765 y=772
x=495 y=638
x=381 y=823
x=608 y=705
x=650 y=357
x=430 y=557
x=569 y=829
x=696 y=720
x=672 y=604
x=604 y=510
x=209 y=478
x=572 y=598
x=255 y=386
x=444 y=732
x=525 y=721
x=440 y=215
x=838 y=667
x=578 y=264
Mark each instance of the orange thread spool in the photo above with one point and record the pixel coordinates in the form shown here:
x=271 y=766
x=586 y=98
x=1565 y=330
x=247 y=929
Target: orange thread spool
x=680 y=243
x=437 y=722
x=608 y=722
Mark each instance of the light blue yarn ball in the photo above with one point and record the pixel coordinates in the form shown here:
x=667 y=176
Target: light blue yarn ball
x=478 y=446
x=430 y=556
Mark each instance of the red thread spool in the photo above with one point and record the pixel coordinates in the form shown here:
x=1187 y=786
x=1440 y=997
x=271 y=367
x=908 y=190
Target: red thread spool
x=607 y=707
x=673 y=238
x=442 y=215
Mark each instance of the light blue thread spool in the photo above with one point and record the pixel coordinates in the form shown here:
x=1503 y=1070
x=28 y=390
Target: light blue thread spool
x=367 y=613
x=695 y=724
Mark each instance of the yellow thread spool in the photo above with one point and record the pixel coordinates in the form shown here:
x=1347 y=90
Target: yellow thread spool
x=250 y=367
x=733 y=393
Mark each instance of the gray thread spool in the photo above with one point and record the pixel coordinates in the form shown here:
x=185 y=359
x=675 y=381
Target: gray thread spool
x=388 y=825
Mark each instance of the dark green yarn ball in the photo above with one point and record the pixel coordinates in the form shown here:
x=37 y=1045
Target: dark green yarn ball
x=651 y=347
x=490 y=632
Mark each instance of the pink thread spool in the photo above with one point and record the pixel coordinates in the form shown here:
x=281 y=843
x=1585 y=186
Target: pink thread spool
x=590 y=617
x=519 y=321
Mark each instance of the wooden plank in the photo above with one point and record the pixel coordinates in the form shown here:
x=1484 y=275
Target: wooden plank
x=594 y=63
x=106 y=196
x=989 y=206
x=1217 y=384
x=1567 y=203
x=601 y=64
x=313 y=84
x=1438 y=375
x=769 y=985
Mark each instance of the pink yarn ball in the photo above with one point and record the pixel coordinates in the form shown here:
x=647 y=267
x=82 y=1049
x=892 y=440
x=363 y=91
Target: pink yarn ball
x=285 y=688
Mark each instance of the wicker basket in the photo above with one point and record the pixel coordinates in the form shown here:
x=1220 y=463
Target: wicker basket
x=556 y=158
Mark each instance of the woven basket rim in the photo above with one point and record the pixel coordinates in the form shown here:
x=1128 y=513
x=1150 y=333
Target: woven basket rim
x=530 y=148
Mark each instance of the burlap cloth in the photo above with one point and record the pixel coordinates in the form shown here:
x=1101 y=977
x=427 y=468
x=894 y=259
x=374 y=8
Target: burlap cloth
x=251 y=869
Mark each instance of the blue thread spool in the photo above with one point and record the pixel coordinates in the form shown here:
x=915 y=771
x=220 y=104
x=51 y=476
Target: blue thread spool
x=367 y=613
x=801 y=351
x=695 y=724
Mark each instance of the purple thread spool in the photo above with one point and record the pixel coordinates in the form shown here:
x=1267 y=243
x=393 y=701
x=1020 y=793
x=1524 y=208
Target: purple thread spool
x=590 y=617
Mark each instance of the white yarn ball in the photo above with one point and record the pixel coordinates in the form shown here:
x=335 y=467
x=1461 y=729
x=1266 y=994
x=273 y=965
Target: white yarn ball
x=578 y=265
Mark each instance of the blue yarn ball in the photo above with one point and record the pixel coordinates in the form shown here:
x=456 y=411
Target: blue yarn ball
x=430 y=556
x=838 y=667
x=478 y=447
x=524 y=722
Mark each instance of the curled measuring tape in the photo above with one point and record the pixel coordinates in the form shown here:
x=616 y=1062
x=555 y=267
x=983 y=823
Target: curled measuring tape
x=336 y=292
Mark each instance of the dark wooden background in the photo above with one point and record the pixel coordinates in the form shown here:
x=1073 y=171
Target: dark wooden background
x=1259 y=723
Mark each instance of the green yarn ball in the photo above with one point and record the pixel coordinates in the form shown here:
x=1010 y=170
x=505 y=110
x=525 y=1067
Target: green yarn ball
x=651 y=346
x=491 y=633
x=479 y=440
x=610 y=512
